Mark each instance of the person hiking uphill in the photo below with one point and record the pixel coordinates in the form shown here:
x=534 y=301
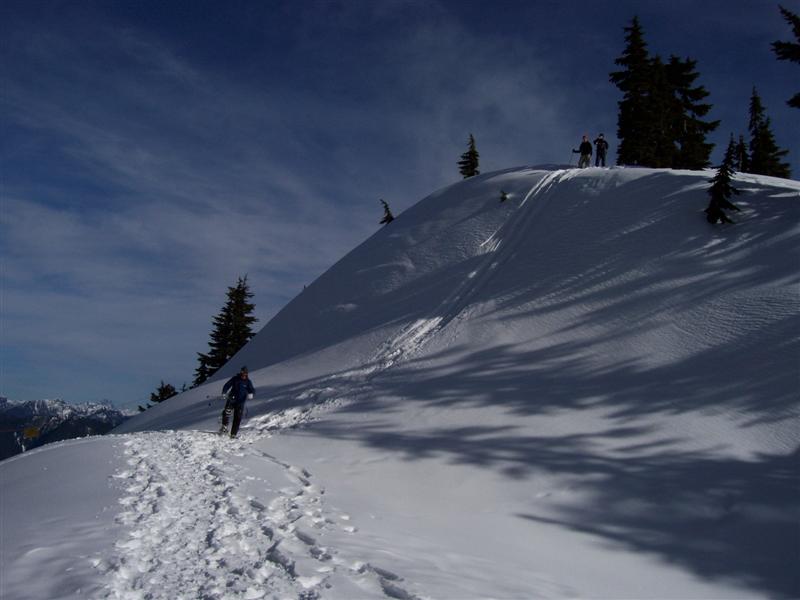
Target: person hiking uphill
x=585 y=150
x=236 y=391
x=602 y=147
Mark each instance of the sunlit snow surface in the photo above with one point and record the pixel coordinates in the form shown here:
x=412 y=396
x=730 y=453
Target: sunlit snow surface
x=583 y=391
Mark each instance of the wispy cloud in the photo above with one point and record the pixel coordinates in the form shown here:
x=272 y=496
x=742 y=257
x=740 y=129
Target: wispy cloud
x=147 y=182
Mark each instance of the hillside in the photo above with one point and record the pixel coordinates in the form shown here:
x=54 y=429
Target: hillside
x=584 y=391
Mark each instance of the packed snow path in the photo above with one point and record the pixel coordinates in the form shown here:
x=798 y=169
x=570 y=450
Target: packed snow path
x=200 y=526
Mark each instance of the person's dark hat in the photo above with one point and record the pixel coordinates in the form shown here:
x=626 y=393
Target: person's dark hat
x=243 y=370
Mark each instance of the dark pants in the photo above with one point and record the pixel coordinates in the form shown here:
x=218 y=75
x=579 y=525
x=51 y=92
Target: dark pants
x=237 y=410
x=601 y=158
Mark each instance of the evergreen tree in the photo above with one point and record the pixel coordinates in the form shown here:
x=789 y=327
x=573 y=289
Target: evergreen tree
x=634 y=81
x=232 y=330
x=503 y=195
x=388 y=217
x=742 y=157
x=203 y=370
x=765 y=155
x=165 y=391
x=468 y=165
x=790 y=50
x=661 y=115
x=658 y=148
x=689 y=128
x=721 y=188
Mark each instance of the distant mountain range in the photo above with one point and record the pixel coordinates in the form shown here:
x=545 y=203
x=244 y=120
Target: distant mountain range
x=27 y=425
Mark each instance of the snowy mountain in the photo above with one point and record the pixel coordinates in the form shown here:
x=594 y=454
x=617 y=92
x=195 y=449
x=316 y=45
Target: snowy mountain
x=27 y=425
x=583 y=391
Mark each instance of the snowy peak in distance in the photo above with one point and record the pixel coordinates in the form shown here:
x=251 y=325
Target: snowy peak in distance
x=27 y=425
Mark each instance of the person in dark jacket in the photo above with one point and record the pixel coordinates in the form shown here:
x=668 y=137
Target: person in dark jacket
x=236 y=392
x=601 y=145
x=585 y=150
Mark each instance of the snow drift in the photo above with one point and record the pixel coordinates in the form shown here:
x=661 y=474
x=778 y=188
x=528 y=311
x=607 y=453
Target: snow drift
x=583 y=391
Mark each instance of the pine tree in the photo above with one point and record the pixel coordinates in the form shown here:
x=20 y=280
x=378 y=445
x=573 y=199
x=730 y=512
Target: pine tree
x=232 y=330
x=165 y=391
x=634 y=81
x=765 y=155
x=203 y=370
x=790 y=50
x=721 y=188
x=468 y=165
x=742 y=157
x=689 y=128
x=658 y=148
x=661 y=115
x=388 y=217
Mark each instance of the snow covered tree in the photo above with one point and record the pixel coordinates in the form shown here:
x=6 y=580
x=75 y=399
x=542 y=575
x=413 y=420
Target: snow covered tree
x=468 y=165
x=721 y=188
x=503 y=195
x=765 y=155
x=790 y=50
x=232 y=330
x=388 y=217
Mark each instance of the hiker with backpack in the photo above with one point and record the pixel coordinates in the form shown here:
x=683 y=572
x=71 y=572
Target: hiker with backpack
x=235 y=392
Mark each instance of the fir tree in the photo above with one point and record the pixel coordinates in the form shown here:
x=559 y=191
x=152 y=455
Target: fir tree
x=658 y=148
x=689 y=128
x=468 y=165
x=742 y=157
x=765 y=155
x=388 y=217
x=633 y=80
x=232 y=330
x=790 y=50
x=165 y=391
x=203 y=370
x=661 y=120
x=721 y=188
x=503 y=195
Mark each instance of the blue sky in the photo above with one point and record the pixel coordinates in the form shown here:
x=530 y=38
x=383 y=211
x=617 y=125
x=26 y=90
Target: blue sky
x=154 y=151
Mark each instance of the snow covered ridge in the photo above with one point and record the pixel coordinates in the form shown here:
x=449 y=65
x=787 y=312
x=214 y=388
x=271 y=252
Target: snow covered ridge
x=29 y=424
x=584 y=391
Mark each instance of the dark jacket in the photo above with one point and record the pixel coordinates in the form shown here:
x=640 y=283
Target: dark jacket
x=602 y=146
x=585 y=148
x=239 y=389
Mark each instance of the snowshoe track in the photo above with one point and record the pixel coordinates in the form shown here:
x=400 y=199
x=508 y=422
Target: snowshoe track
x=195 y=532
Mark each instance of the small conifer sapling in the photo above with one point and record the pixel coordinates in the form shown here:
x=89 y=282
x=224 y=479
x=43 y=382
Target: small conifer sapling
x=388 y=217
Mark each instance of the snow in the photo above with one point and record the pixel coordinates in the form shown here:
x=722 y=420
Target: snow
x=583 y=391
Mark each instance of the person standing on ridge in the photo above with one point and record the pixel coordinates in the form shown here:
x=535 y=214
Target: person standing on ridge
x=602 y=147
x=236 y=391
x=585 y=150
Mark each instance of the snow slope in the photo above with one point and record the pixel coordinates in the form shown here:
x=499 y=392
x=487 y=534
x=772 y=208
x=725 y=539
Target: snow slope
x=584 y=391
